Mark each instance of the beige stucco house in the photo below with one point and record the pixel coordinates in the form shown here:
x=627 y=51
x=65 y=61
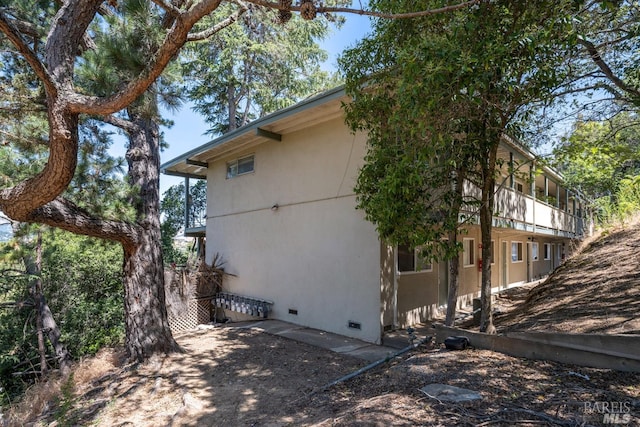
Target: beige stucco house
x=281 y=214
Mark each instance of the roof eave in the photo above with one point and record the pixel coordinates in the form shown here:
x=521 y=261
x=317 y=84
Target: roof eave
x=227 y=138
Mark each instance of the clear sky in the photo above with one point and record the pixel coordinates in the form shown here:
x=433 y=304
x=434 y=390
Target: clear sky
x=189 y=128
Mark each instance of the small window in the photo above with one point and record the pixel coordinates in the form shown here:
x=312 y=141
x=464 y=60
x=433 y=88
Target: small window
x=411 y=260
x=240 y=166
x=468 y=254
x=519 y=187
x=534 y=251
x=516 y=251
x=547 y=251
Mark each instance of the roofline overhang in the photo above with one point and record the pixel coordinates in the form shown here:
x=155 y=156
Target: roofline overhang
x=309 y=103
x=253 y=127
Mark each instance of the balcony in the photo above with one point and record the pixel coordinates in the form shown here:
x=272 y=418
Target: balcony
x=521 y=211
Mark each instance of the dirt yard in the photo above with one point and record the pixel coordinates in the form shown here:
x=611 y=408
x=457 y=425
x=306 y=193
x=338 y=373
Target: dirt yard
x=238 y=377
x=242 y=377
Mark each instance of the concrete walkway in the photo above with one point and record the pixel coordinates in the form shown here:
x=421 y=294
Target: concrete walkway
x=337 y=343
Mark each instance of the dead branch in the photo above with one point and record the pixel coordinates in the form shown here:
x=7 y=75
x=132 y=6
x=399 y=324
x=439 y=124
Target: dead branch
x=604 y=67
x=363 y=12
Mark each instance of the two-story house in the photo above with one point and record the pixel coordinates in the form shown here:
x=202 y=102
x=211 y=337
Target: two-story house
x=282 y=215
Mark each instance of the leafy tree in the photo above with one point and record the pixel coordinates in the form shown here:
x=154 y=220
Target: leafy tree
x=255 y=68
x=448 y=88
x=81 y=279
x=602 y=159
x=597 y=155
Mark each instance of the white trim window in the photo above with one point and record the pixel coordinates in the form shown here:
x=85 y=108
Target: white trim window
x=468 y=252
x=534 y=251
x=240 y=166
x=516 y=252
x=411 y=260
x=547 y=251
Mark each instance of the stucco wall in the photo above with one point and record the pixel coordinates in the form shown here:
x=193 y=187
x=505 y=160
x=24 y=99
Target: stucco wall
x=417 y=297
x=314 y=253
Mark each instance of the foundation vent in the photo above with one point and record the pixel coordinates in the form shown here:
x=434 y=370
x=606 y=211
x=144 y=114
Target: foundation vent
x=354 y=325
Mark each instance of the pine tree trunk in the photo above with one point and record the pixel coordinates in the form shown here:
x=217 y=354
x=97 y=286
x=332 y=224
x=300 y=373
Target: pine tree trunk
x=146 y=321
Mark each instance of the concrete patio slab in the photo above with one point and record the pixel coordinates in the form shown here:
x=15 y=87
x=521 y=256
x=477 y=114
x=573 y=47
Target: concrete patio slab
x=334 y=342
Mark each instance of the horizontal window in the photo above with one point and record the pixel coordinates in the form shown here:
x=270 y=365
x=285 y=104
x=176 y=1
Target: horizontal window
x=240 y=166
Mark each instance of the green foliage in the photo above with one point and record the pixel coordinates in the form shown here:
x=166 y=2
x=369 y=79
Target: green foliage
x=602 y=159
x=597 y=155
x=628 y=196
x=17 y=344
x=254 y=67
x=124 y=42
x=611 y=29
x=621 y=206
x=82 y=282
x=435 y=94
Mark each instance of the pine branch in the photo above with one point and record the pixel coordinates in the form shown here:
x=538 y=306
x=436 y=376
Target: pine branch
x=167 y=7
x=175 y=38
x=125 y=125
x=29 y=55
x=203 y=35
x=66 y=215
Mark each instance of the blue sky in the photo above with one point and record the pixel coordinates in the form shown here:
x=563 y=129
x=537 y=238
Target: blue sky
x=189 y=128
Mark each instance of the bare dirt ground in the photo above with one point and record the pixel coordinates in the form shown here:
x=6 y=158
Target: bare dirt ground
x=238 y=377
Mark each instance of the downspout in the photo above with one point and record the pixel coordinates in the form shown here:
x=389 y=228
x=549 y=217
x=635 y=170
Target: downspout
x=533 y=192
x=395 y=287
x=187 y=204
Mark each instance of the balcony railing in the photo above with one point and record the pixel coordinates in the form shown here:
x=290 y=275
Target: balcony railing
x=196 y=216
x=195 y=213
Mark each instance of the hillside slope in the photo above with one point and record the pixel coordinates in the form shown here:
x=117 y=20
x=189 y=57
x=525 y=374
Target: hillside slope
x=597 y=290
